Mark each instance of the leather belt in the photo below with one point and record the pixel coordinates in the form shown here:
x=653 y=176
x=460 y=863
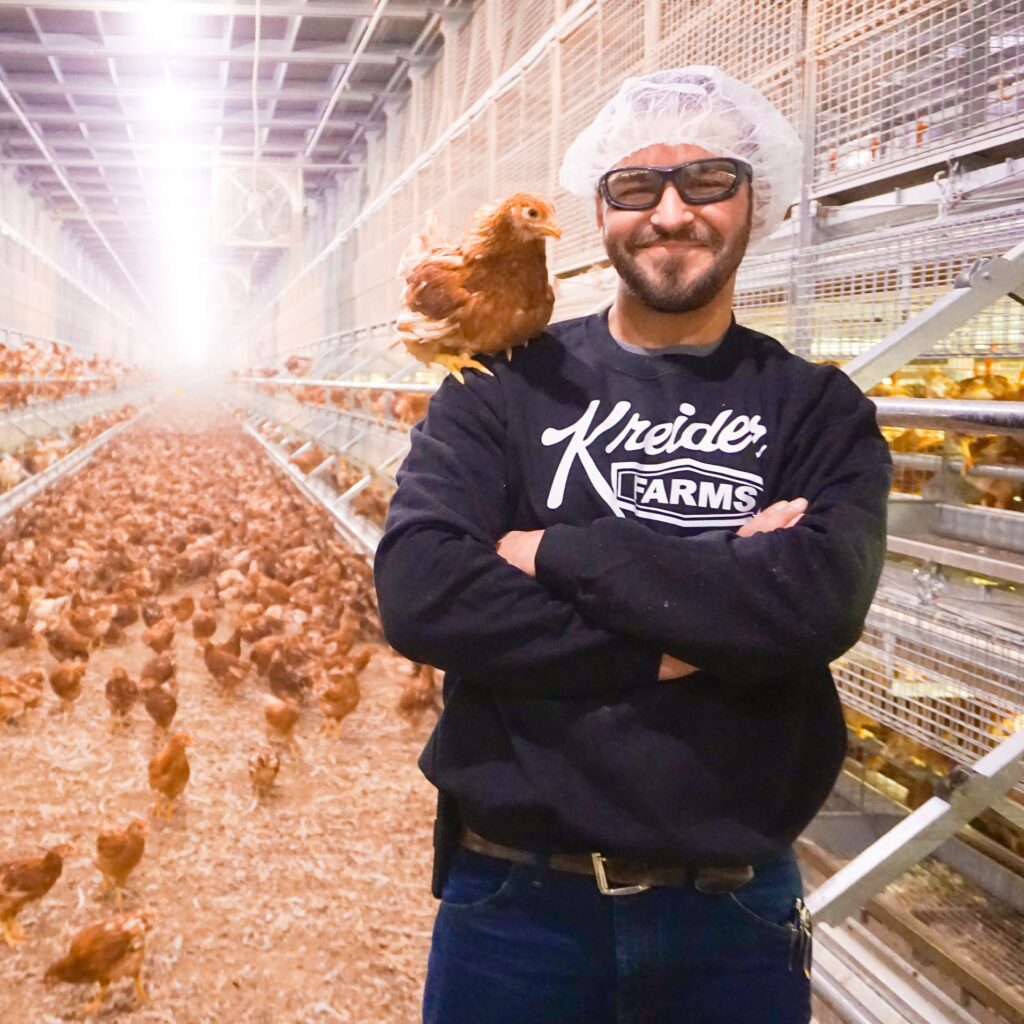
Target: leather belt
x=637 y=875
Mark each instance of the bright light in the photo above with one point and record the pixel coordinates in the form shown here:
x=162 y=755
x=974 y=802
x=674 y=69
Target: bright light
x=181 y=199
x=161 y=22
x=170 y=105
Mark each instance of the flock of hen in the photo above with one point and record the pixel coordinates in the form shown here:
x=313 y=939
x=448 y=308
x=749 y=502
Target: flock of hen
x=47 y=372
x=93 y=562
x=985 y=449
x=40 y=372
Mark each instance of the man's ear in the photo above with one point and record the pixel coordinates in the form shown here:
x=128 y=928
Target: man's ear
x=599 y=212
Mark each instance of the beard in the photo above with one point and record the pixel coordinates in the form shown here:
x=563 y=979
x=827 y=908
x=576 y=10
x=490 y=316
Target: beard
x=667 y=288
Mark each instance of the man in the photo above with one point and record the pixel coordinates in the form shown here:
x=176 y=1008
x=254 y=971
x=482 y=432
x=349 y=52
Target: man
x=634 y=550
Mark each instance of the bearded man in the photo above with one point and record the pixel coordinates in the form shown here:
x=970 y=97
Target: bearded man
x=634 y=550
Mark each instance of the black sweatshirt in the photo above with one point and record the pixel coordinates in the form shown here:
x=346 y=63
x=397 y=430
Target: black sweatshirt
x=556 y=734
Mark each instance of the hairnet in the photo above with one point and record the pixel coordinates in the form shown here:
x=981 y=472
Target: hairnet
x=699 y=106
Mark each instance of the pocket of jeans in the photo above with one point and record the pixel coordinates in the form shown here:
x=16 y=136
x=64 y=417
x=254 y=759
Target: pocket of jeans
x=777 y=918
x=769 y=903
x=476 y=882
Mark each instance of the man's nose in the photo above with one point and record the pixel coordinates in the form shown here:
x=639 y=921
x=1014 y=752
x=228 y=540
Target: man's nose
x=672 y=210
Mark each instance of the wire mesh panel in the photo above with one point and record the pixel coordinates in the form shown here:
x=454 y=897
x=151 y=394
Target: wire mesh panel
x=857 y=291
x=948 y=679
x=763 y=293
x=753 y=42
x=903 y=83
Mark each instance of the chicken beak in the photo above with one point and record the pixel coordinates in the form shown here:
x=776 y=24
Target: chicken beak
x=552 y=229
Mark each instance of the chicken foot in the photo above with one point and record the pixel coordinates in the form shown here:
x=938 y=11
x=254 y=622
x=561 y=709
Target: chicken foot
x=138 y=988
x=93 y=1007
x=159 y=811
x=454 y=363
x=106 y=885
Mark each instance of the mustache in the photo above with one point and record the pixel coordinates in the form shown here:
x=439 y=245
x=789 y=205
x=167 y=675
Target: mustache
x=654 y=237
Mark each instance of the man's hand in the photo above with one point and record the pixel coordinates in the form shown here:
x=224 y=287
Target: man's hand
x=519 y=548
x=780 y=516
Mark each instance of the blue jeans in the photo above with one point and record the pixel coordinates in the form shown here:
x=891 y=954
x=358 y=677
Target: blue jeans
x=522 y=944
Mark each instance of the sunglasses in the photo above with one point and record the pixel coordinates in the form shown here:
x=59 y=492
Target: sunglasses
x=698 y=182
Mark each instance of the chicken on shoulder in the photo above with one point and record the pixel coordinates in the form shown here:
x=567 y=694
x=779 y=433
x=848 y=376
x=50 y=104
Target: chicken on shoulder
x=487 y=293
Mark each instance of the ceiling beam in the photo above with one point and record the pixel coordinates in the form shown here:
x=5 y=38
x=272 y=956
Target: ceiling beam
x=233 y=93
x=69 y=188
x=84 y=163
x=273 y=51
x=137 y=88
x=362 y=46
x=85 y=115
x=268 y=9
x=17 y=145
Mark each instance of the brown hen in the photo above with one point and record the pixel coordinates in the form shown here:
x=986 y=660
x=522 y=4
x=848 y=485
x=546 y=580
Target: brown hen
x=66 y=682
x=169 y=773
x=487 y=293
x=118 y=852
x=102 y=953
x=23 y=881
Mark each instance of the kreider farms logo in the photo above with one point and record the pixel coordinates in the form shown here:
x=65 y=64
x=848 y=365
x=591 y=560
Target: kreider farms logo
x=685 y=491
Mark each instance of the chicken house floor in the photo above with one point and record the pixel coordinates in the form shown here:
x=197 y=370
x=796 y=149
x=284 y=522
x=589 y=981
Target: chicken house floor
x=312 y=907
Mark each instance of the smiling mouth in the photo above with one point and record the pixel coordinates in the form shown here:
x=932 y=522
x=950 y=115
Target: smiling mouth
x=673 y=244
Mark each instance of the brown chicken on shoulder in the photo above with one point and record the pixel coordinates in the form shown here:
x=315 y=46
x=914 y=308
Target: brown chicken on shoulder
x=104 y=952
x=66 y=682
x=487 y=293
x=263 y=768
x=169 y=773
x=24 y=881
x=118 y=852
x=121 y=693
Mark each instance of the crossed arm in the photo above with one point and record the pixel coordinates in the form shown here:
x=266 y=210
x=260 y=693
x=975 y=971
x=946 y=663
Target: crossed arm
x=519 y=549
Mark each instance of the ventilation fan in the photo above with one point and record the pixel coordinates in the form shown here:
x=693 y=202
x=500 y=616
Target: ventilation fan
x=257 y=206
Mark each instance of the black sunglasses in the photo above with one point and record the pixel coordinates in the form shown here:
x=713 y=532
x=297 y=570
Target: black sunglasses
x=698 y=182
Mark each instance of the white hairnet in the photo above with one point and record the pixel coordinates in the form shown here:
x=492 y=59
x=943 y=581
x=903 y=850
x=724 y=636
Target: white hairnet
x=698 y=106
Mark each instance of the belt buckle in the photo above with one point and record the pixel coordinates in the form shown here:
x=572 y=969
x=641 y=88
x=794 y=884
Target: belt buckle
x=602 y=880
